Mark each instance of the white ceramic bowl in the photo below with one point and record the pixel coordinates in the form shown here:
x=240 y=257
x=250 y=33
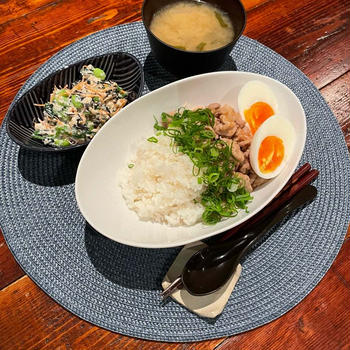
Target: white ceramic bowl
x=98 y=194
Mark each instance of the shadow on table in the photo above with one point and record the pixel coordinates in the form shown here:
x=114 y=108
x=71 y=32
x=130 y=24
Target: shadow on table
x=131 y=267
x=156 y=76
x=49 y=169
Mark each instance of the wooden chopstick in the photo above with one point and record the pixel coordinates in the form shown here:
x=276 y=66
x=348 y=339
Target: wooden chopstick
x=295 y=177
x=301 y=178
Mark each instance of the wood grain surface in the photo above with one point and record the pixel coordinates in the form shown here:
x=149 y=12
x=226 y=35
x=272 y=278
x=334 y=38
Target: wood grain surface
x=313 y=34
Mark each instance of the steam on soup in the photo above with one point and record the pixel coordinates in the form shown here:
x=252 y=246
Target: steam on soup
x=192 y=26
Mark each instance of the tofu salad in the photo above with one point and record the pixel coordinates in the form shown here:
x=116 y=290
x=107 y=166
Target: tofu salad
x=73 y=116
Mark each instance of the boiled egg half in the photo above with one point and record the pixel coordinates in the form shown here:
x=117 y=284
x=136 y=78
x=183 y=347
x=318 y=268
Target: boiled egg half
x=272 y=144
x=256 y=103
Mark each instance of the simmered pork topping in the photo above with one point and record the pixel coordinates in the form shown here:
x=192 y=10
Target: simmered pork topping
x=231 y=128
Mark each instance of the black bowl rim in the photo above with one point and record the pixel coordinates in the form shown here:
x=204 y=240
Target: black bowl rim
x=231 y=43
x=45 y=148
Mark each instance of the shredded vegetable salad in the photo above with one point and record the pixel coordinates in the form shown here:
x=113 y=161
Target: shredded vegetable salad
x=73 y=116
x=213 y=162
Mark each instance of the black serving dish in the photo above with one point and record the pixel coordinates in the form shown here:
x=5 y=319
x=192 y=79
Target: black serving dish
x=121 y=67
x=184 y=63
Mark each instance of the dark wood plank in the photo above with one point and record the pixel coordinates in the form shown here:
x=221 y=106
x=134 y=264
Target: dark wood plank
x=9 y=269
x=319 y=65
x=305 y=33
x=252 y=4
x=320 y=322
x=337 y=94
x=14 y=9
x=11 y=10
x=30 y=320
x=55 y=27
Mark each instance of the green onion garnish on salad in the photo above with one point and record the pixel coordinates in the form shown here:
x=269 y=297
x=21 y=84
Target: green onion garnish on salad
x=73 y=116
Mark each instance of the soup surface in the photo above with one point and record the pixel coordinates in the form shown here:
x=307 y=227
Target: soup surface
x=192 y=26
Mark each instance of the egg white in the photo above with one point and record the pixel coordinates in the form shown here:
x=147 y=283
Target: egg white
x=255 y=91
x=274 y=126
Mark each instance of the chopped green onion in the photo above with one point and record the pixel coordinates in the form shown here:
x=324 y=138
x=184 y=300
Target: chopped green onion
x=62 y=92
x=233 y=188
x=214 y=152
x=62 y=100
x=60 y=130
x=207 y=134
x=213 y=177
x=220 y=19
x=180 y=47
x=76 y=101
x=243 y=197
x=172 y=132
x=36 y=135
x=152 y=139
x=213 y=162
x=122 y=94
x=200 y=46
x=211 y=217
x=131 y=165
x=63 y=116
x=96 y=99
x=99 y=73
x=157 y=126
x=62 y=143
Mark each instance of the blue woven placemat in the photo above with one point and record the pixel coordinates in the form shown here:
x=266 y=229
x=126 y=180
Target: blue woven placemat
x=116 y=286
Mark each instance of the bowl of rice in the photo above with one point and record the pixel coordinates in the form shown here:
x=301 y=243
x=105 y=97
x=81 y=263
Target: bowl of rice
x=137 y=187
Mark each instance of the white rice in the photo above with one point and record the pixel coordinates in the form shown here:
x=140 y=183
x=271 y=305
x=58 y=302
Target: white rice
x=161 y=187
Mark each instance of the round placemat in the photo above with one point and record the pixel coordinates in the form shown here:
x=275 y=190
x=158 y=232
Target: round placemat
x=117 y=287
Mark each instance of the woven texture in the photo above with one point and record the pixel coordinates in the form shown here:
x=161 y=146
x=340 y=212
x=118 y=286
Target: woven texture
x=116 y=286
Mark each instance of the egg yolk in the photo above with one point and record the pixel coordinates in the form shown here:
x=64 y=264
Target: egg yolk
x=271 y=153
x=257 y=114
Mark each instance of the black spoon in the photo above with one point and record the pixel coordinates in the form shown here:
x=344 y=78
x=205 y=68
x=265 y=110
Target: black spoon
x=211 y=267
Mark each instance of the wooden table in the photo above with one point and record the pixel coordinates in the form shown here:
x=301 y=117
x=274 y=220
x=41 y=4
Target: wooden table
x=313 y=34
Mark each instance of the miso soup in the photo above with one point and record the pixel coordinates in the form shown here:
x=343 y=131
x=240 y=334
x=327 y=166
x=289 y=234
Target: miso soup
x=192 y=26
